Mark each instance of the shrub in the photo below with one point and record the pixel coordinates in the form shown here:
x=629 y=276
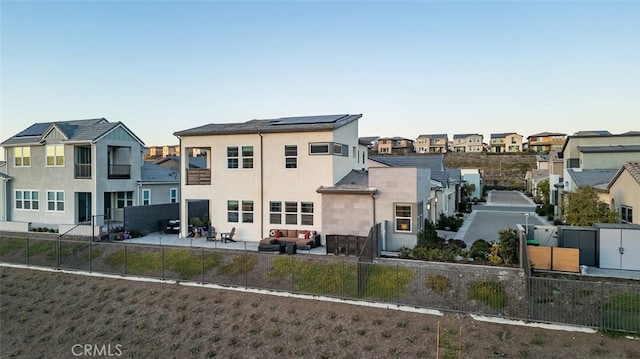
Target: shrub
x=438 y=283
x=508 y=248
x=489 y=292
x=480 y=249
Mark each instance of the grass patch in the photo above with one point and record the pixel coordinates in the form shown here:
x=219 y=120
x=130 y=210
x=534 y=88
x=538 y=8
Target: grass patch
x=385 y=282
x=13 y=244
x=489 y=292
x=438 y=284
x=181 y=261
x=330 y=278
x=621 y=312
x=240 y=264
x=42 y=246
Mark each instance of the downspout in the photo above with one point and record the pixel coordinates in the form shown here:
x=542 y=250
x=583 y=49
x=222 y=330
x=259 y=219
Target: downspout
x=261 y=188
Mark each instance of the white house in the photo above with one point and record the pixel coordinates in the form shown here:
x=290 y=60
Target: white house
x=263 y=174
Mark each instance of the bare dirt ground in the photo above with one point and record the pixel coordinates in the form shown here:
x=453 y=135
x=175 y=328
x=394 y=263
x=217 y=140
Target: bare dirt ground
x=55 y=315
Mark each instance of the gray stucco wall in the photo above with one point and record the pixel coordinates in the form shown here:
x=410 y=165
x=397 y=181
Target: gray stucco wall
x=346 y=214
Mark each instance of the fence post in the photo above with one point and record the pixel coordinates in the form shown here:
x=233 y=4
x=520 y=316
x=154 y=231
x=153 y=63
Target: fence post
x=202 y=256
x=342 y=280
x=602 y=305
x=27 y=249
x=125 y=258
x=91 y=254
x=292 y=277
x=246 y=266
x=398 y=285
x=163 y=277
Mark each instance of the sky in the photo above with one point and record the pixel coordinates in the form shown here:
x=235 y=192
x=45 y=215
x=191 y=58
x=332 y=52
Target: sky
x=409 y=67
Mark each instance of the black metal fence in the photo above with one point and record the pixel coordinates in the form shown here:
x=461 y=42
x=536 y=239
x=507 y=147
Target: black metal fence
x=604 y=305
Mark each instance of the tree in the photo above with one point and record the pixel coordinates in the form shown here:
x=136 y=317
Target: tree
x=584 y=208
x=542 y=193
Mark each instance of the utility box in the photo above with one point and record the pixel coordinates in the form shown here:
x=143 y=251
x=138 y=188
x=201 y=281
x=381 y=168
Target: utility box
x=619 y=246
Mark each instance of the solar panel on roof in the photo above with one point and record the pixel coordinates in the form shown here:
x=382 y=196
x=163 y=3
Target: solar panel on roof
x=34 y=130
x=307 y=120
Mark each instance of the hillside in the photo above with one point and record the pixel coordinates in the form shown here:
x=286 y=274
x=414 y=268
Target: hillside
x=506 y=170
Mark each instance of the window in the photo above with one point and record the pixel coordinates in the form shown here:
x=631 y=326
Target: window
x=403 y=217
x=626 y=214
x=291 y=212
x=291 y=156
x=338 y=148
x=22 y=156
x=306 y=218
x=328 y=148
x=55 y=201
x=27 y=200
x=124 y=199
x=319 y=148
x=275 y=212
x=247 y=211
x=247 y=156
x=232 y=157
x=55 y=155
x=232 y=211
x=173 y=195
x=146 y=197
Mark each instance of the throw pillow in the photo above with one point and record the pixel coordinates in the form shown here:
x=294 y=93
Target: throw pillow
x=301 y=236
x=272 y=233
x=306 y=234
x=278 y=234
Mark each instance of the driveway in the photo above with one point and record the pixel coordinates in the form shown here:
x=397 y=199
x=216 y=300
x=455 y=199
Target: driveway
x=504 y=209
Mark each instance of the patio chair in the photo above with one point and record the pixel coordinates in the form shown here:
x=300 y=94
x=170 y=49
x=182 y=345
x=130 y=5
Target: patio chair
x=228 y=236
x=211 y=234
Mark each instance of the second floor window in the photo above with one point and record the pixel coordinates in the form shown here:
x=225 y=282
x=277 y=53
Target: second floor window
x=247 y=156
x=55 y=201
x=146 y=197
x=291 y=156
x=27 y=200
x=55 y=155
x=626 y=214
x=22 y=156
x=173 y=195
x=232 y=157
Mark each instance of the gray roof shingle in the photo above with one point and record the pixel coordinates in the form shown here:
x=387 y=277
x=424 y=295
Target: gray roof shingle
x=591 y=177
x=151 y=172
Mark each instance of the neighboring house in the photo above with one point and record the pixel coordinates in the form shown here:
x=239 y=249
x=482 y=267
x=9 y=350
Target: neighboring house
x=263 y=174
x=371 y=142
x=442 y=189
x=395 y=146
x=158 y=185
x=468 y=142
x=473 y=176
x=533 y=179
x=546 y=142
x=92 y=168
x=162 y=151
x=542 y=161
x=556 y=173
x=437 y=143
x=170 y=162
x=597 y=178
x=624 y=190
x=4 y=202
x=505 y=142
x=595 y=150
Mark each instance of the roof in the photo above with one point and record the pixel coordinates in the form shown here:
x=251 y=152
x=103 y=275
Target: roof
x=433 y=162
x=151 y=172
x=437 y=135
x=546 y=134
x=633 y=168
x=367 y=140
x=582 y=134
x=396 y=138
x=501 y=135
x=282 y=124
x=539 y=174
x=591 y=177
x=465 y=135
x=88 y=130
x=609 y=149
x=354 y=182
x=590 y=133
x=454 y=174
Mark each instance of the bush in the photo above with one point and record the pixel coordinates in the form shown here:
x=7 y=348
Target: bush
x=488 y=292
x=438 y=283
x=480 y=249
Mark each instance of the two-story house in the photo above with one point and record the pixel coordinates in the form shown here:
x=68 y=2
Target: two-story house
x=467 y=142
x=545 y=142
x=263 y=174
x=623 y=192
x=434 y=143
x=395 y=146
x=66 y=172
x=505 y=142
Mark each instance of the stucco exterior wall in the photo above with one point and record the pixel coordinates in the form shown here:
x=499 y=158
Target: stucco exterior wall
x=626 y=191
x=347 y=214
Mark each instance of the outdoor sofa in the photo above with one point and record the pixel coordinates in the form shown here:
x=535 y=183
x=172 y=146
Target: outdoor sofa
x=303 y=239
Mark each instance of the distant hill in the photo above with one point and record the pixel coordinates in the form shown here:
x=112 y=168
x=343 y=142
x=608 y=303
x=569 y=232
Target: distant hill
x=506 y=170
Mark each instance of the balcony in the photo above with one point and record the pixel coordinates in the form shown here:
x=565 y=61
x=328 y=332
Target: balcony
x=82 y=170
x=119 y=172
x=198 y=176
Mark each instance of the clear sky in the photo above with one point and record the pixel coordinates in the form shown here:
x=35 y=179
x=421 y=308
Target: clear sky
x=410 y=68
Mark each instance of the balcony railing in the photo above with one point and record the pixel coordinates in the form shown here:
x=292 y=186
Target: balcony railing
x=198 y=176
x=83 y=170
x=119 y=172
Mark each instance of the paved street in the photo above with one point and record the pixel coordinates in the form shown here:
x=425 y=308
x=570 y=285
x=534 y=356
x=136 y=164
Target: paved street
x=504 y=209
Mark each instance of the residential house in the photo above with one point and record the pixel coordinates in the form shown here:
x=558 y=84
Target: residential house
x=545 y=142
x=596 y=150
x=467 y=142
x=435 y=143
x=158 y=185
x=473 y=176
x=505 y=142
x=4 y=202
x=623 y=192
x=92 y=168
x=263 y=174
x=395 y=146
x=441 y=188
x=371 y=142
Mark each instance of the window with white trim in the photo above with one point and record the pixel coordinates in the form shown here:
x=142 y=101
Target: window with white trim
x=55 y=201
x=27 y=200
x=22 y=156
x=232 y=157
x=233 y=211
x=247 y=156
x=291 y=212
x=626 y=214
x=290 y=156
x=55 y=155
x=402 y=217
x=124 y=199
x=247 y=211
x=173 y=195
x=275 y=212
x=306 y=216
x=146 y=197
